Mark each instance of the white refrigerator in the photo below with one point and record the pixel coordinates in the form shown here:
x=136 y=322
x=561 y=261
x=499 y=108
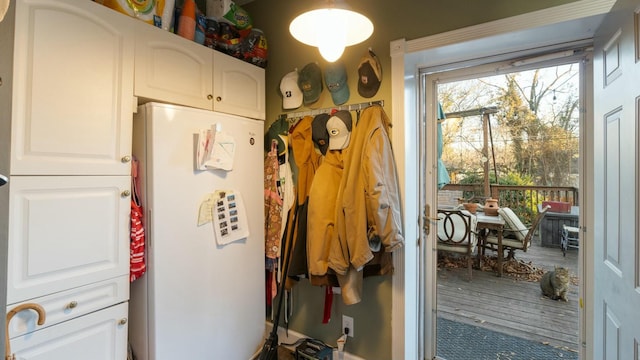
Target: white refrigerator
x=200 y=299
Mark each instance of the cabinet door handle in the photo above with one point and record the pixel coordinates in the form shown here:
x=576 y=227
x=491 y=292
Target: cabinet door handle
x=219 y=98
x=209 y=97
x=122 y=321
x=72 y=305
x=126 y=193
x=126 y=159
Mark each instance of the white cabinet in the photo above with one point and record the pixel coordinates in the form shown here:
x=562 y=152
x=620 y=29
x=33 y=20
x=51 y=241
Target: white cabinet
x=66 y=231
x=66 y=100
x=238 y=87
x=72 y=89
x=171 y=69
x=101 y=335
x=65 y=305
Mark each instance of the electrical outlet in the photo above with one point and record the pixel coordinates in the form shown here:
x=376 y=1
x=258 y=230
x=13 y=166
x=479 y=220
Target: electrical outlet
x=347 y=323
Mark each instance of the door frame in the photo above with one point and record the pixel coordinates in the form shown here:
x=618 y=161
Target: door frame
x=584 y=59
x=535 y=32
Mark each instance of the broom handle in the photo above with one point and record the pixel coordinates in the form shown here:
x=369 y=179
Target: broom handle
x=283 y=282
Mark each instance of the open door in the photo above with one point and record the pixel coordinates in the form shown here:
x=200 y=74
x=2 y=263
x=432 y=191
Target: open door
x=615 y=235
x=552 y=331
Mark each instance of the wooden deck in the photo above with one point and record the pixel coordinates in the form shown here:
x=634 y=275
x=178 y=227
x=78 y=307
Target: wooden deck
x=514 y=307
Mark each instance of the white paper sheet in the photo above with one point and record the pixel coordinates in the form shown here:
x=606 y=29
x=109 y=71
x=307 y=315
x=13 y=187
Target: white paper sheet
x=225 y=209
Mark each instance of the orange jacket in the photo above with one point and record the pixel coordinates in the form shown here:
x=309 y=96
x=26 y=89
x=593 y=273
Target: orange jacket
x=368 y=209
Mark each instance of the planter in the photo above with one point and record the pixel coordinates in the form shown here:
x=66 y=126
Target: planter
x=491 y=207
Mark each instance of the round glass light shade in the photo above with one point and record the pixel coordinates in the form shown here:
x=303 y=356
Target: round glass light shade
x=331 y=30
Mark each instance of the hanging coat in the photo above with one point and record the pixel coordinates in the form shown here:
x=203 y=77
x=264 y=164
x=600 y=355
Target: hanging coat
x=307 y=161
x=368 y=216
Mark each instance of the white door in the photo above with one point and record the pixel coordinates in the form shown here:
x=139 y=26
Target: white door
x=616 y=321
x=72 y=89
x=66 y=231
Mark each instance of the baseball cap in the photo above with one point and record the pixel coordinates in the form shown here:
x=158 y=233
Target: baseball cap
x=310 y=82
x=339 y=129
x=369 y=75
x=291 y=93
x=319 y=132
x=279 y=132
x=335 y=77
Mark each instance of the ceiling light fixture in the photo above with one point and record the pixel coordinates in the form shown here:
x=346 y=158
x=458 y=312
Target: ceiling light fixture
x=331 y=28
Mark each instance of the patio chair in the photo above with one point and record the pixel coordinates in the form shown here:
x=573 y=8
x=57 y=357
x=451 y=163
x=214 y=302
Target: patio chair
x=570 y=238
x=515 y=236
x=457 y=233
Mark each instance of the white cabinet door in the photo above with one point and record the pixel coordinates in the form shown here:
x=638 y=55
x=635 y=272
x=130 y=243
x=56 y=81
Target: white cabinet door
x=238 y=87
x=100 y=335
x=73 y=89
x=65 y=232
x=174 y=70
x=171 y=69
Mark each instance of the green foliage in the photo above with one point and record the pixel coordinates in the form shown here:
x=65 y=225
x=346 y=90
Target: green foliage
x=510 y=178
x=522 y=203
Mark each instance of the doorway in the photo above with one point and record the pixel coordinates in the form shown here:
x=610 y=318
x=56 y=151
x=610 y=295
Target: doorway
x=487 y=313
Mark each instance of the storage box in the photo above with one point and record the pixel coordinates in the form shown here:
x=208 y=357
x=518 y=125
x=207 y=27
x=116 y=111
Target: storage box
x=558 y=206
x=311 y=349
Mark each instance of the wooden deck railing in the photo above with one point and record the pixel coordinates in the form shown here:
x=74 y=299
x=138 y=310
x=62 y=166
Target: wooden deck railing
x=522 y=199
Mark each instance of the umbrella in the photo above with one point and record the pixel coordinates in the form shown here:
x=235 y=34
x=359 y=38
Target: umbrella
x=27 y=306
x=443 y=174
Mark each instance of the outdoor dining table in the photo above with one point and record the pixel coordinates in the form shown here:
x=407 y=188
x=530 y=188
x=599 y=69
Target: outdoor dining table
x=489 y=222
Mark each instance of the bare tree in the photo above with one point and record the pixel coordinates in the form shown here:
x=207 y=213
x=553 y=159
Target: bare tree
x=537 y=122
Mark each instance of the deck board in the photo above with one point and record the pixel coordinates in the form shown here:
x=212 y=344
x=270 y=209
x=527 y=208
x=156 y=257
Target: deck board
x=514 y=307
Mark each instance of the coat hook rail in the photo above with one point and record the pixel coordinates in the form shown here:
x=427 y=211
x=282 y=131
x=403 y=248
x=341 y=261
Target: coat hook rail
x=314 y=112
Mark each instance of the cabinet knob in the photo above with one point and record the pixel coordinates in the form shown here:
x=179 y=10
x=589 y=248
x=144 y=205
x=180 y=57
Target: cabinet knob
x=72 y=305
x=122 y=321
x=209 y=97
x=126 y=193
x=126 y=159
x=218 y=99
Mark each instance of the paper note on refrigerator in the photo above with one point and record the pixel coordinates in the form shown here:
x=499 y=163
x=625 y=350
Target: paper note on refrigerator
x=204 y=140
x=225 y=209
x=215 y=149
x=222 y=152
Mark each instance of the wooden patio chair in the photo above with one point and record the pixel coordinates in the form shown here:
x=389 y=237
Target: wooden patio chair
x=457 y=234
x=515 y=236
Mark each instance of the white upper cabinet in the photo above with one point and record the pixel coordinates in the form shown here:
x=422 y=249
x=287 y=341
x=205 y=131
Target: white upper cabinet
x=238 y=87
x=169 y=68
x=72 y=89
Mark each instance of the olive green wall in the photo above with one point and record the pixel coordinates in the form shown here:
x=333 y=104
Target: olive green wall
x=392 y=20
